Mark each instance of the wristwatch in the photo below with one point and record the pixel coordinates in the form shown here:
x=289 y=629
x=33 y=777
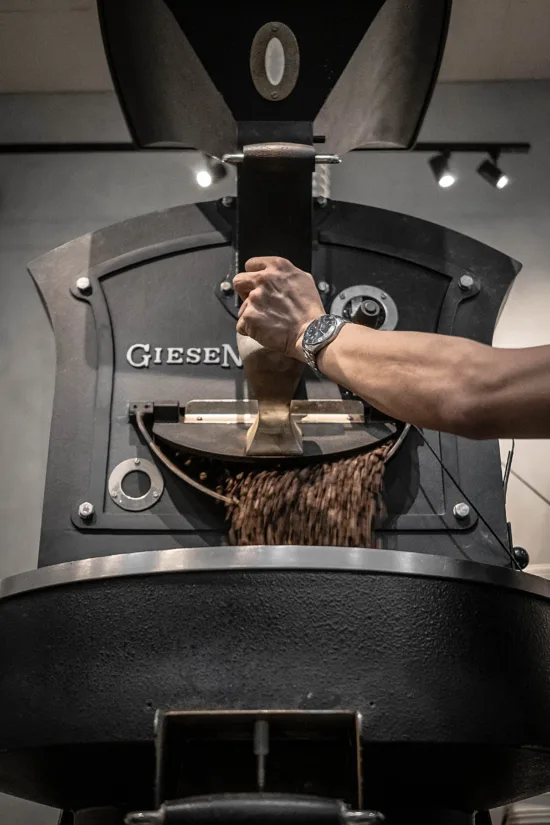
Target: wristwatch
x=318 y=334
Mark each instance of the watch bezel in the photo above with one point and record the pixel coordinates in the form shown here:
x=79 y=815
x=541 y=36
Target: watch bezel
x=325 y=333
x=311 y=349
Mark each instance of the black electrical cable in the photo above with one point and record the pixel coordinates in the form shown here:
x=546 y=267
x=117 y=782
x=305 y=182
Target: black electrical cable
x=468 y=500
x=172 y=467
x=402 y=436
x=508 y=467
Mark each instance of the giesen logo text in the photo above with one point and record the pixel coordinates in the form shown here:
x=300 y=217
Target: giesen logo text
x=143 y=355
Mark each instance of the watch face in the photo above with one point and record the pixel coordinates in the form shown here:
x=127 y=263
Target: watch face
x=319 y=330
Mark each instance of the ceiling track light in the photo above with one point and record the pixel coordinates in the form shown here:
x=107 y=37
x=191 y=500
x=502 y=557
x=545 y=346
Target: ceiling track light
x=210 y=171
x=492 y=173
x=441 y=167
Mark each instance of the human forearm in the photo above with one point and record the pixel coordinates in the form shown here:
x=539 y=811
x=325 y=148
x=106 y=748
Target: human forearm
x=445 y=383
x=432 y=381
x=429 y=380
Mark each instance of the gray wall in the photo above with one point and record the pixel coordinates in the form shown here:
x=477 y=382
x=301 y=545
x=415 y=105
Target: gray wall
x=47 y=200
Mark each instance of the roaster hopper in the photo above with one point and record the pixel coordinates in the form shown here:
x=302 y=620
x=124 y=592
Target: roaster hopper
x=147 y=665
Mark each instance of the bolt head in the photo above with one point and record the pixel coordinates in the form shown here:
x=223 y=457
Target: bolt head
x=114 y=494
x=321 y=201
x=226 y=287
x=227 y=200
x=274 y=27
x=461 y=510
x=137 y=461
x=323 y=287
x=155 y=494
x=342 y=295
x=84 y=285
x=466 y=282
x=274 y=95
x=86 y=510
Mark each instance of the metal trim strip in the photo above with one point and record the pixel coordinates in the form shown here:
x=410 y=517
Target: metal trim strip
x=274 y=557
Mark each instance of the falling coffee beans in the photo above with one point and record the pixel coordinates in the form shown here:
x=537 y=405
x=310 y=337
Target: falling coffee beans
x=335 y=503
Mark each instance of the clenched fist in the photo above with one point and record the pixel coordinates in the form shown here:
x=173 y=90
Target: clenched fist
x=279 y=302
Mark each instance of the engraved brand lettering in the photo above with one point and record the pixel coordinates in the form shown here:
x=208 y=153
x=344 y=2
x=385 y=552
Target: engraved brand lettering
x=139 y=351
x=211 y=355
x=142 y=356
x=229 y=352
x=175 y=355
x=193 y=356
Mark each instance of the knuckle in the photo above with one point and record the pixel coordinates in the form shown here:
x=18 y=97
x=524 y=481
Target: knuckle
x=251 y=313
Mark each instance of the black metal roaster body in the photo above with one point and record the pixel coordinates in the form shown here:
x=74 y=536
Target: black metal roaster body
x=288 y=683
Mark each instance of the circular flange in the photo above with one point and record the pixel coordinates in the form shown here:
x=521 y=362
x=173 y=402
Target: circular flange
x=131 y=465
x=363 y=292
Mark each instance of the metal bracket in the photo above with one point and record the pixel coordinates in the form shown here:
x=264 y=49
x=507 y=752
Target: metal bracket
x=329 y=411
x=264 y=765
x=269 y=809
x=218 y=428
x=278 y=150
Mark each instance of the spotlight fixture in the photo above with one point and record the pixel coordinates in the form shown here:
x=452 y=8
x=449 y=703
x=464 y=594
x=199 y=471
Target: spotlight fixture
x=211 y=171
x=442 y=170
x=490 y=172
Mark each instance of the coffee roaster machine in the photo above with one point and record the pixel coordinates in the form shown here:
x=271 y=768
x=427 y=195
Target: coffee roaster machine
x=148 y=669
